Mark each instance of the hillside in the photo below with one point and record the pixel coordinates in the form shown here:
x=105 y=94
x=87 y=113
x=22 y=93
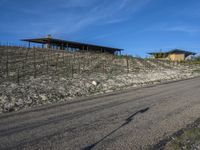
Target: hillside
x=33 y=77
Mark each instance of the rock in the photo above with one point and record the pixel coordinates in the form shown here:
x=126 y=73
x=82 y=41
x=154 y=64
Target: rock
x=3 y=99
x=19 y=102
x=8 y=107
x=94 y=83
x=13 y=85
x=43 y=97
x=29 y=100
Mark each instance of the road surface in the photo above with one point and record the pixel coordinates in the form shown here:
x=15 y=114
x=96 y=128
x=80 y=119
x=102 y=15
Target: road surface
x=130 y=119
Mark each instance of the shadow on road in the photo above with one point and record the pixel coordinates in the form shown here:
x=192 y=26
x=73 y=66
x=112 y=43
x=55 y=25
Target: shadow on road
x=127 y=121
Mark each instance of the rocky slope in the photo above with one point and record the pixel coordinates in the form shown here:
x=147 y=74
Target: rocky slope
x=56 y=76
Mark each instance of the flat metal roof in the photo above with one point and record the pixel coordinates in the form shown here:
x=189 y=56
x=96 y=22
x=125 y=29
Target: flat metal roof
x=69 y=43
x=174 y=51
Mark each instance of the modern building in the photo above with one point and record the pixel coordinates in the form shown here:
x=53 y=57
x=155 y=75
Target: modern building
x=173 y=55
x=52 y=43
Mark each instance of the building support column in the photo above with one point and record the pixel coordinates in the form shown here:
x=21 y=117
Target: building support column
x=67 y=46
x=62 y=46
x=83 y=48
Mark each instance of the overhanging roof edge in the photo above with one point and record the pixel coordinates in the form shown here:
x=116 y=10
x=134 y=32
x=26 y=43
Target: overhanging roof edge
x=44 y=40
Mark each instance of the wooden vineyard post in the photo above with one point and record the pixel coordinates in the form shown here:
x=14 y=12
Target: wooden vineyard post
x=127 y=64
x=79 y=65
x=34 y=57
x=56 y=62
x=47 y=61
x=18 y=76
x=7 y=63
x=72 y=67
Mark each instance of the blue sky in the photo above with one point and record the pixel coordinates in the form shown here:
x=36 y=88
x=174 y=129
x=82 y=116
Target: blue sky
x=138 y=26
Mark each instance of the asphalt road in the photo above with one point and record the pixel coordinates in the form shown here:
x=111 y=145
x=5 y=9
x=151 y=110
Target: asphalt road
x=131 y=119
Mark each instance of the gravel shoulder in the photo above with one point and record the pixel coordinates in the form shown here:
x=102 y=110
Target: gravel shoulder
x=186 y=138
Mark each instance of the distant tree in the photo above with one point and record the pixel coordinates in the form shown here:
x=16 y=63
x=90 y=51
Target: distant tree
x=198 y=58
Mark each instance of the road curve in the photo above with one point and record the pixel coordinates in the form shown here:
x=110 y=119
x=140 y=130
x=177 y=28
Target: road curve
x=130 y=119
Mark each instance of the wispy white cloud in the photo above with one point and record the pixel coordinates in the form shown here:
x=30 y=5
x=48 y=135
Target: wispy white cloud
x=107 y=13
x=190 y=29
x=115 y=21
x=102 y=36
x=77 y=3
x=123 y=3
x=71 y=16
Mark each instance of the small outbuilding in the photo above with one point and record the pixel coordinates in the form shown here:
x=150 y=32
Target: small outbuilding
x=173 y=55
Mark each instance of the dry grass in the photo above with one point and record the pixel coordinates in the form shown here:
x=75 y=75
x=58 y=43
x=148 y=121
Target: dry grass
x=188 y=140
